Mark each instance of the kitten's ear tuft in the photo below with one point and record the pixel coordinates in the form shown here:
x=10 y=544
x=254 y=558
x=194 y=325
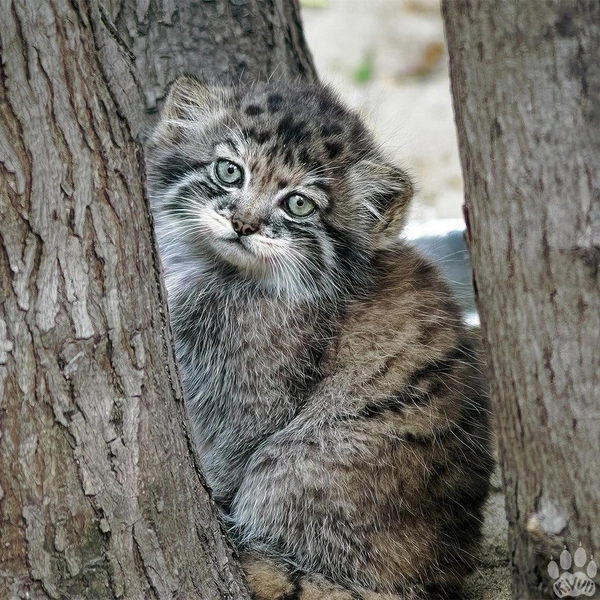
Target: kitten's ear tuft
x=387 y=190
x=186 y=97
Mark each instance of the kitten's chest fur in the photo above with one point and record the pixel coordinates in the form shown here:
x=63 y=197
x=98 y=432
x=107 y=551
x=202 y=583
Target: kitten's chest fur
x=247 y=362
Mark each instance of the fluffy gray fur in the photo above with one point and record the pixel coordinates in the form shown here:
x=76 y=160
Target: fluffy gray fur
x=333 y=390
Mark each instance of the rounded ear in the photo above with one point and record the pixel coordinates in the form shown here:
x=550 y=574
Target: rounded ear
x=387 y=191
x=186 y=96
x=188 y=101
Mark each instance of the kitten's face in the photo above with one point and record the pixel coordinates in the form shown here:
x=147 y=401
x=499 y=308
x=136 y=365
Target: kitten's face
x=280 y=185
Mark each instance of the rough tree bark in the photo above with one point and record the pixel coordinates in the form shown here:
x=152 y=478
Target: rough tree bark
x=100 y=496
x=526 y=85
x=218 y=40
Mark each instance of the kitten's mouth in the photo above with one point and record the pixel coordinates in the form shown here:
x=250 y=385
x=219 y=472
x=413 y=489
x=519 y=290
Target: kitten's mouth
x=238 y=242
x=238 y=252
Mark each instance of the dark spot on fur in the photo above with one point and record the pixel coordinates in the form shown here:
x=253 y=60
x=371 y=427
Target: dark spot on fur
x=293 y=132
x=331 y=129
x=273 y=152
x=249 y=133
x=305 y=157
x=329 y=106
x=274 y=102
x=358 y=133
x=288 y=157
x=310 y=162
x=396 y=402
x=263 y=137
x=412 y=438
x=333 y=149
x=282 y=183
x=254 y=109
x=425 y=269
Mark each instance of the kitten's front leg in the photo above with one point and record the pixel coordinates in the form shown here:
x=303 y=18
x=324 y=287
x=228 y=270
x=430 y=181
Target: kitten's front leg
x=370 y=490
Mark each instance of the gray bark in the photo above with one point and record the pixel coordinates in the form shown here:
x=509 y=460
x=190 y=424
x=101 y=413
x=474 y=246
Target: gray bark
x=526 y=86
x=216 y=40
x=100 y=495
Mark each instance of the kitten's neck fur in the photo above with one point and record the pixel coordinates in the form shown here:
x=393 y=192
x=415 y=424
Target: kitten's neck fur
x=248 y=358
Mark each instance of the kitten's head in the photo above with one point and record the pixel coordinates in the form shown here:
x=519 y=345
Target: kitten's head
x=276 y=183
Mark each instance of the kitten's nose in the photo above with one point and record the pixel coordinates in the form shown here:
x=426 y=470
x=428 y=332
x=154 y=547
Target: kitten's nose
x=242 y=228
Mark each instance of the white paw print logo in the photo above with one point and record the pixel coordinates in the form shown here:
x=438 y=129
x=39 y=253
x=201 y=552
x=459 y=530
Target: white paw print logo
x=579 y=583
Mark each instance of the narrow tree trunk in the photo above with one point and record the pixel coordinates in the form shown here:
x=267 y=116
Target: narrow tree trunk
x=526 y=85
x=100 y=496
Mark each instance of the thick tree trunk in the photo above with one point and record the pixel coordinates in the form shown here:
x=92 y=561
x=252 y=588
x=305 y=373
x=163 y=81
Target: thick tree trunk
x=526 y=85
x=218 y=40
x=100 y=496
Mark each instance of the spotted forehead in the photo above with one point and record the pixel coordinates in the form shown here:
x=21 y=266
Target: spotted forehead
x=263 y=172
x=302 y=129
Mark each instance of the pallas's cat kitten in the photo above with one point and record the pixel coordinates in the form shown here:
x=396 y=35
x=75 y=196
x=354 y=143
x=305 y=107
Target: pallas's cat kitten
x=335 y=395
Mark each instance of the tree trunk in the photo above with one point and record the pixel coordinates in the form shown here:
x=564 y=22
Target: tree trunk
x=217 y=40
x=526 y=85
x=100 y=495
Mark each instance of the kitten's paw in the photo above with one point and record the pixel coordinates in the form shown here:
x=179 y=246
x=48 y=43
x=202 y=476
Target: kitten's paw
x=270 y=580
x=267 y=579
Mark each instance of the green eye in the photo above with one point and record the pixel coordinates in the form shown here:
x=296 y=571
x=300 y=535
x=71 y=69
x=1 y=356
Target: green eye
x=299 y=206
x=228 y=172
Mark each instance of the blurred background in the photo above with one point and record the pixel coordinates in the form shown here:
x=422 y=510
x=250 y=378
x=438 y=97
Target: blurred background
x=388 y=59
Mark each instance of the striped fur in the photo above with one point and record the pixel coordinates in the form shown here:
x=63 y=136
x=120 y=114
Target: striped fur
x=335 y=395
